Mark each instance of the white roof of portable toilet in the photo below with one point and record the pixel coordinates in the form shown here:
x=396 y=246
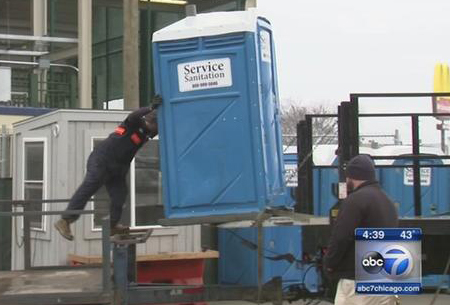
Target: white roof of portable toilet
x=289 y=149
x=209 y=24
x=323 y=154
x=397 y=150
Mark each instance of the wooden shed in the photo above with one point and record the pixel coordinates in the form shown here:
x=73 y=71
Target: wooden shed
x=50 y=153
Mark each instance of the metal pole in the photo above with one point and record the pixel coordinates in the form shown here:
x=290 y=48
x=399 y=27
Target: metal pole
x=27 y=242
x=353 y=117
x=106 y=254
x=85 y=53
x=120 y=258
x=416 y=166
x=259 y=222
x=191 y=10
x=39 y=18
x=30 y=63
x=341 y=143
x=250 y=4
x=260 y=257
x=40 y=29
x=443 y=137
x=309 y=165
x=38 y=38
x=131 y=54
x=132 y=266
x=3 y=153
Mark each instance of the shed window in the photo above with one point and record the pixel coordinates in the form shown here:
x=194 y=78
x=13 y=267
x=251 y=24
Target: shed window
x=144 y=184
x=34 y=179
x=147 y=205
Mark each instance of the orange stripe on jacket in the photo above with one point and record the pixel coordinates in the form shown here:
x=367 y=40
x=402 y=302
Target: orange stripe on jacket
x=136 y=139
x=120 y=130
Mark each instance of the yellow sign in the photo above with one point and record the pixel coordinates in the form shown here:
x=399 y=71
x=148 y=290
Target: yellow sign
x=441 y=104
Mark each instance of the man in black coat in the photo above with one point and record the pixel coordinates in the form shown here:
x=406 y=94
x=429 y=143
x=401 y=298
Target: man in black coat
x=108 y=165
x=367 y=206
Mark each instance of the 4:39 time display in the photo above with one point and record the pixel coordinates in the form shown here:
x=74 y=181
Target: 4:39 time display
x=375 y=234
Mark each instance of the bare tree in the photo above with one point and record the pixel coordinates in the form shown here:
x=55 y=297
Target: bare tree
x=324 y=129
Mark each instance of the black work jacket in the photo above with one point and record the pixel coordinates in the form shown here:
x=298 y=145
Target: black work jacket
x=367 y=206
x=122 y=145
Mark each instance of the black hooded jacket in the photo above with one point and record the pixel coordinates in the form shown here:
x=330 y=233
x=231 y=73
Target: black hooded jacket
x=367 y=206
x=122 y=145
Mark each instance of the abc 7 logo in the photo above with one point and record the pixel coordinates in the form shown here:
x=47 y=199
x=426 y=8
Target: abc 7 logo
x=394 y=261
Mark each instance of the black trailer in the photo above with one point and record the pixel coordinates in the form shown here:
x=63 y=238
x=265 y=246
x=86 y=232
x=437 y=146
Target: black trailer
x=115 y=281
x=436 y=228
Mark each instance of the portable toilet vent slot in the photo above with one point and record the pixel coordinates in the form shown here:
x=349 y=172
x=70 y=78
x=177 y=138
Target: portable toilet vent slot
x=219 y=124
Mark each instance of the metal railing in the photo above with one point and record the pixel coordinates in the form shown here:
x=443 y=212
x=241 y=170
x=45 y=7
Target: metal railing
x=26 y=214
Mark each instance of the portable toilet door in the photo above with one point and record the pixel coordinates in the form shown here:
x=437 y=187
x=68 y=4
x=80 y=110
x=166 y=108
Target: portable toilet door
x=398 y=183
x=220 y=139
x=290 y=159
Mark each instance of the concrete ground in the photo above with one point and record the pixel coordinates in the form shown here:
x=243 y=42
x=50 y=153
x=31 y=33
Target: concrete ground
x=423 y=299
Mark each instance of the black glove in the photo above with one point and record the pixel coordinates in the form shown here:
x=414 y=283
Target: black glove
x=156 y=101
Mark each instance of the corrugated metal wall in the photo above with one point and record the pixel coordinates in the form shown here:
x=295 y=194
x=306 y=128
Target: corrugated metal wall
x=68 y=135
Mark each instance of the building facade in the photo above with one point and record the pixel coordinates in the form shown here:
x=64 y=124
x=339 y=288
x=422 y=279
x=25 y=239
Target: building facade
x=43 y=44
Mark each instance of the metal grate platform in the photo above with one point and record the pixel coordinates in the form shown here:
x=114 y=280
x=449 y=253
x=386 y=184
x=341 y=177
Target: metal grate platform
x=69 y=286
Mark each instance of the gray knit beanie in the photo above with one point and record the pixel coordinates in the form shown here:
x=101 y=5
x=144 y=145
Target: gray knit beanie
x=361 y=167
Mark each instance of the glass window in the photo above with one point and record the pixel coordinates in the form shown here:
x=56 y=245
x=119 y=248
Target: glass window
x=115 y=78
x=144 y=185
x=34 y=158
x=99 y=30
x=34 y=191
x=107 y=54
x=33 y=184
x=147 y=205
x=99 y=67
x=163 y=19
x=115 y=22
x=101 y=199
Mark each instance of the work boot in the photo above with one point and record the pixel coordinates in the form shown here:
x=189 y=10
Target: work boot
x=119 y=229
x=63 y=227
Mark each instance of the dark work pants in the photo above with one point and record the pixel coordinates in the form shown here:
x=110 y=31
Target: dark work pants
x=101 y=171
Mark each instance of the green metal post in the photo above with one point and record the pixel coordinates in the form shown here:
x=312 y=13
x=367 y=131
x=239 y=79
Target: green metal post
x=33 y=90
x=51 y=15
x=147 y=27
x=145 y=60
x=73 y=88
x=5 y=225
x=241 y=5
x=99 y=104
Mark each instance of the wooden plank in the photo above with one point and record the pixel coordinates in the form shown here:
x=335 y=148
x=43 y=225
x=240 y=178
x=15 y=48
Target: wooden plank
x=207 y=219
x=178 y=256
x=85 y=259
x=89 y=259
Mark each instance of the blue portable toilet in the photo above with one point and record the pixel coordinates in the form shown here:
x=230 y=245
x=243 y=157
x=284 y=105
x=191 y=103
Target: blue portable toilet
x=397 y=181
x=325 y=174
x=282 y=256
x=219 y=123
x=291 y=173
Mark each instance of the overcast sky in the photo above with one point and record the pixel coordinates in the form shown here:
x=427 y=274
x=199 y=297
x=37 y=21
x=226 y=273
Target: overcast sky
x=327 y=49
